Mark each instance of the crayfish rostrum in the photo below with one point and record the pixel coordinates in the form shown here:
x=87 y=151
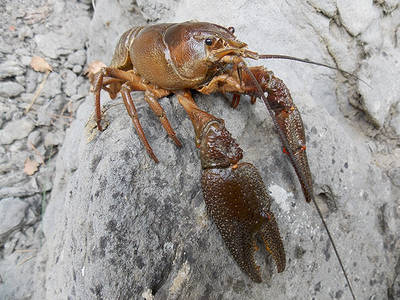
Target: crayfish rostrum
x=175 y=58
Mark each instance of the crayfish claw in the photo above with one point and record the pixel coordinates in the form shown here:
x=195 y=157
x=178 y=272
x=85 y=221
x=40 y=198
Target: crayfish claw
x=234 y=192
x=273 y=242
x=239 y=204
x=292 y=126
x=287 y=118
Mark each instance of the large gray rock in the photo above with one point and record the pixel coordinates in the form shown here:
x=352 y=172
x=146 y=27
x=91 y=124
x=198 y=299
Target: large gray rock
x=120 y=226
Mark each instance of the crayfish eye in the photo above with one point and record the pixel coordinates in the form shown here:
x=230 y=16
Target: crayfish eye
x=231 y=30
x=208 y=41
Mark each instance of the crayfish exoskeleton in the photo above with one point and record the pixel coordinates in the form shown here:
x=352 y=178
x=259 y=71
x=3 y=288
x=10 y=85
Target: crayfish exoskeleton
x=174 y=58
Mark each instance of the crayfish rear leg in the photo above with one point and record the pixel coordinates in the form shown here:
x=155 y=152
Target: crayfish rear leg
x=112 y=77
x=234 y=193
x=131 y=109
x=114 y=81
x=160 y=113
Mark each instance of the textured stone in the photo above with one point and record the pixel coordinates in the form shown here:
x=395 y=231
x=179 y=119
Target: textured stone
x=15 y=130
x=25 y=32
x=10 y=89
x=52 y=86
x=77 y=69
x=22 y=189
x=380 y=70
x=48 y=43
x=117 y=217
x=356 y=15
x=70 y=82
x=394 y=175
x=21 y=22
x=53 y=139
x=65 y=41
x=395 y=122
x=34 y=138
x=12 y=213
x=154 y=10
x=9 y=69
x=77 y=58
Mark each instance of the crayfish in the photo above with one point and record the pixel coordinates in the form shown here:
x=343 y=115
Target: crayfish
x=175 y=58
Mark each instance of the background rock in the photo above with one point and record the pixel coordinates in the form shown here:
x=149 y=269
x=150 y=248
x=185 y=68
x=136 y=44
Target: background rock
x=23 y=198
x=16 y=130
x=9 y=69
x=12 y=212
x=10 y=89
x=120 y=226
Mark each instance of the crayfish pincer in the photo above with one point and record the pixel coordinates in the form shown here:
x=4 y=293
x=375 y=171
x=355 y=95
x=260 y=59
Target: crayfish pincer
x=175 y=58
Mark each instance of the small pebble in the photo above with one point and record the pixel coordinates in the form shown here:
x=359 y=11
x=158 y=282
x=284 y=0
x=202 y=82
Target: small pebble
x=77 y=58
x=9 y=89
x=12 y=212
x=34 y=138
x=77 y=69
x=53 y=139
x=15 y=130
x=25 y=32
x=10 y=69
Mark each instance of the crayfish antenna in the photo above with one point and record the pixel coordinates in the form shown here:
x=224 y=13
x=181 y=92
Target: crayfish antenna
x=287 y=147
x=307 y=61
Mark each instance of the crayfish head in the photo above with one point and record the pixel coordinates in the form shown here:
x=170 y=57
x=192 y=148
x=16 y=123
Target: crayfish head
x=219 y=43
x=196 y=48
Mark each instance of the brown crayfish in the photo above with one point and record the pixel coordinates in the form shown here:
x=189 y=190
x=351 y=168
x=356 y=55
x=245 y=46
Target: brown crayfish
x=173 y=58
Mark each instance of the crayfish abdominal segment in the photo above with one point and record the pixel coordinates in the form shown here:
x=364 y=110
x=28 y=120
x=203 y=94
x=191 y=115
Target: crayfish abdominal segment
x=174 y=58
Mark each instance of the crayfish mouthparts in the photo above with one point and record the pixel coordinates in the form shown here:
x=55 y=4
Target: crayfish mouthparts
x=235 y=195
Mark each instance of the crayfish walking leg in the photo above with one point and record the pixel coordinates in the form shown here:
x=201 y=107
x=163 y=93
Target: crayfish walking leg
x=234 y=192
x=116 y=81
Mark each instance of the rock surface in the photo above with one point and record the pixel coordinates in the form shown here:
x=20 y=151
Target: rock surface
x=118 y=226
x=34 y=136
x=12 y=212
